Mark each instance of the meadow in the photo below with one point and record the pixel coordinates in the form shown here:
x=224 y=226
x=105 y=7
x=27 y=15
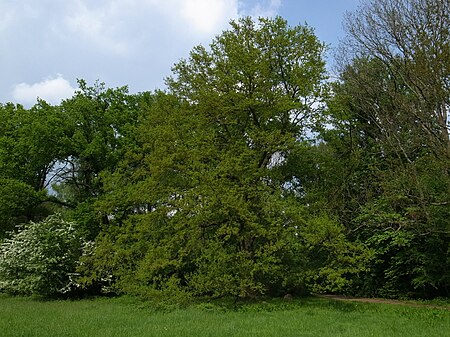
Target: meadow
x=310 y=316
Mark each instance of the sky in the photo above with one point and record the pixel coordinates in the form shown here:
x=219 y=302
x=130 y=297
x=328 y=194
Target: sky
x=46 y=45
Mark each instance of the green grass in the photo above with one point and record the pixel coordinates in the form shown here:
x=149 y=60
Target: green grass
x=302 y=317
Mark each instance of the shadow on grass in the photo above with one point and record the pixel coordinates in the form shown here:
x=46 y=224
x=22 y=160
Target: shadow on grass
x=228 y=304
x=315 y=302
x=276 y=304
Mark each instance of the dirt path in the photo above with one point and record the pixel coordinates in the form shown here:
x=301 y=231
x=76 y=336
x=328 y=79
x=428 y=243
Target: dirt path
x=382 y=300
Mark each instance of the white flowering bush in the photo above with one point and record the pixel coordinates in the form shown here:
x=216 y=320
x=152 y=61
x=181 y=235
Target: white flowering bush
x=40 y=258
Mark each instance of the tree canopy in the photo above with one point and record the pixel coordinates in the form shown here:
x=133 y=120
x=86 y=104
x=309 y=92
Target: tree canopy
x=252 y=173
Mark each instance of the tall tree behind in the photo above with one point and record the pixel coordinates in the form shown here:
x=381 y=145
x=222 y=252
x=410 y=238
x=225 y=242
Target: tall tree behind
x=393 y=118
x=412 y=39
x=32 y=141
x=99 y=121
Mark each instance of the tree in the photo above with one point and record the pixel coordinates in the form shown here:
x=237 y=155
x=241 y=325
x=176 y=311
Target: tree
x=31 y=143
x=99 y=121
x=198 y=202
x=390 y=111
x=52 y=157
x=411 y=38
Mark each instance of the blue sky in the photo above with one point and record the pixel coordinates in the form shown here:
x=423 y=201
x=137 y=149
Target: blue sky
x=45 y=45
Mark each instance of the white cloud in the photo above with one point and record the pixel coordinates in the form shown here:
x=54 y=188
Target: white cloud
x=114 y=25
x=97 y=25
x=6 y=18
x=267 y=10
x=208 y=16
x=133 y=42
x=52 y=90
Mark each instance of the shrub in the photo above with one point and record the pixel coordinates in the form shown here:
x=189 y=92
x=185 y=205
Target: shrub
x=40 y=258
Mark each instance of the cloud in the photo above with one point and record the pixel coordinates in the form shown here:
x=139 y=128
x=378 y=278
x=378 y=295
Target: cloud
x=133 y=42
x=52 y=90
x=97 y=25
x=269 y=9
x=208 y=16
x=6 y=18
x=114 y=25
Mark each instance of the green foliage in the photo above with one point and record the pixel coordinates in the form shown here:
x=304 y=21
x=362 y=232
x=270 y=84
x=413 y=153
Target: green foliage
x=238 y=180
x=336 y=262
x=66 y=147
x=19 y=202
x=197 y=201
x=393 y=183
x=31 y=142
x=40 y=258
x=98 y=121
x=410 y=258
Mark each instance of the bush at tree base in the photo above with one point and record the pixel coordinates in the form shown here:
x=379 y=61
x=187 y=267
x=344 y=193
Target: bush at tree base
x=40 y=258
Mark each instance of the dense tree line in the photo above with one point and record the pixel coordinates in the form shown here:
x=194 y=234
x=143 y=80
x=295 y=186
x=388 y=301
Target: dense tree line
x=251 y=174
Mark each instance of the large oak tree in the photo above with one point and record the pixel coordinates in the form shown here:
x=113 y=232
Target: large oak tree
x=201 y=202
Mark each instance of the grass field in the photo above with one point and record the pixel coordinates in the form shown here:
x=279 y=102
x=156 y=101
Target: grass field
x=302 y=317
